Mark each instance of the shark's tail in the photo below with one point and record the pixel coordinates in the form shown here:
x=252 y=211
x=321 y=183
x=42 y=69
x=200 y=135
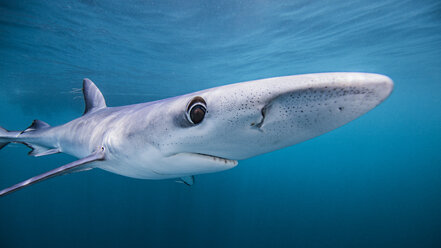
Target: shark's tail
x=3 y=137
x=42 y=139
x=27 y=137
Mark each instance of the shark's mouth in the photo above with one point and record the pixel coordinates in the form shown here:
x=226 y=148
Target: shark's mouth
x=211 y=158
x=189 y=163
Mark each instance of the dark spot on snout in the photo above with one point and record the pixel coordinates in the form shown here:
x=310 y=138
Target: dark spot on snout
x=340 y=108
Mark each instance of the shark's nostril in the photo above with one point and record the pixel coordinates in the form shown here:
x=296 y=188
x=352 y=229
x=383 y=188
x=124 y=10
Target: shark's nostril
x=263 y=112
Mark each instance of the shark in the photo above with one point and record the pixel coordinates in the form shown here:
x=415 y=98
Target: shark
x=202 y=132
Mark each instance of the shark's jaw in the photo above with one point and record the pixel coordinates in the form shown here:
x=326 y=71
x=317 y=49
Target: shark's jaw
x=186 y=164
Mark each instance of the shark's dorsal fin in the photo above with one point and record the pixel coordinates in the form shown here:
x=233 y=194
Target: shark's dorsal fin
x=65 y=169
x=36 y=125
x=92 y=96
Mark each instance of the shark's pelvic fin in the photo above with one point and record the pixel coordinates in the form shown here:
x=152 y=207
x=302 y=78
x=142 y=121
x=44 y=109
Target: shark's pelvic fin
x=65 y=169
x=38 y=151
x=36 y=125
x=3 y=144
x=92 y=96
x=188 y=180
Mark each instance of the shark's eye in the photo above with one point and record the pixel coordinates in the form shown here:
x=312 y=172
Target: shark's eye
x=196 y=110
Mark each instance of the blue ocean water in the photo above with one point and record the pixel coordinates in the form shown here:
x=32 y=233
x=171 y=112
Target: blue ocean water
x=376 y=182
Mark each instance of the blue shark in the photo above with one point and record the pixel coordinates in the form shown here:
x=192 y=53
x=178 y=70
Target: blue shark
x=202 y=132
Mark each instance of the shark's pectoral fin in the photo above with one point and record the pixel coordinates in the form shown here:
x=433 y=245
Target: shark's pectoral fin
x=188 y=180
x=65 y=169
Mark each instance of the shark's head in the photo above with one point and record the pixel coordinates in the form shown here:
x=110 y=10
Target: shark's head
x=210 y=130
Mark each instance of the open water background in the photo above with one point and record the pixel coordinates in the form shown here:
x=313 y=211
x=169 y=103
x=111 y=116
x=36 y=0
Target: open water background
x=375 y=182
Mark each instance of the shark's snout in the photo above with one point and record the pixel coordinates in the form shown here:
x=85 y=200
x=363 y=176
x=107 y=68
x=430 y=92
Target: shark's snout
x=324 y=104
